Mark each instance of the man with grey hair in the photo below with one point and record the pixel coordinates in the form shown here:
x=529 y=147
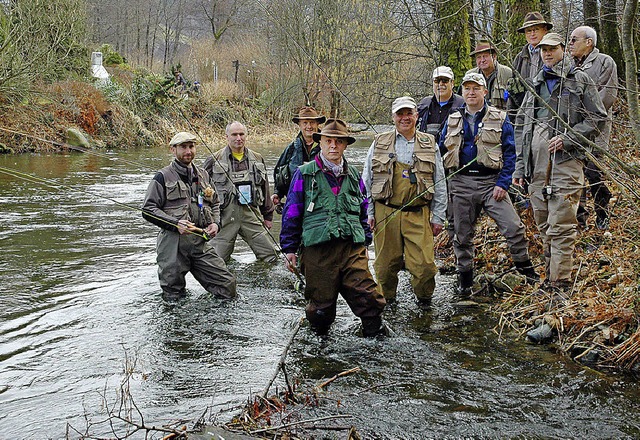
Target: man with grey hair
x=603 y=71
x=240 y=178
x=405 y=182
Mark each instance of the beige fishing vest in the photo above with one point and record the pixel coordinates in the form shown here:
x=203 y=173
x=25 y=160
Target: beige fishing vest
x=488 y=139
x=228 y=182
x=384 y=158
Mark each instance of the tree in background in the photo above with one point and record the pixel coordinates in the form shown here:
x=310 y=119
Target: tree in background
x=41 y=40
x=454 y=43
x=609 y=34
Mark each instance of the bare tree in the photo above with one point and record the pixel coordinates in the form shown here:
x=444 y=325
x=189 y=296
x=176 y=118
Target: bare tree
x=631 y=64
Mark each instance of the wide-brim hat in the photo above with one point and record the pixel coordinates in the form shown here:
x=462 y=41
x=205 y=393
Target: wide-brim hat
x=335 y=128
x=552 y=39
x=181 y=138
x=533 y=19
x=308 y=113
x=483 y=46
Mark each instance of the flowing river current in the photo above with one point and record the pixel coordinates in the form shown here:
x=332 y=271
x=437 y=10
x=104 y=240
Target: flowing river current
x=81 y=303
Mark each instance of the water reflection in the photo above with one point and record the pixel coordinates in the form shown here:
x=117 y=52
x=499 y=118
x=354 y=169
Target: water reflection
x=79 y=290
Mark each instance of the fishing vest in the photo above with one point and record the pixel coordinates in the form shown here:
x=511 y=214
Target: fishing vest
x=328 y=216
x=182 y=200
x=244 y=187
x=488 y=140
x=384 y=159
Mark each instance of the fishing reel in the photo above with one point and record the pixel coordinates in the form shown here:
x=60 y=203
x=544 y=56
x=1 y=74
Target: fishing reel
x=548 y=192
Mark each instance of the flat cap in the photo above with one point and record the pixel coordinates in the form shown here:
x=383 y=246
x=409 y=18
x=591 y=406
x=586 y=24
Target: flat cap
x=181 y=138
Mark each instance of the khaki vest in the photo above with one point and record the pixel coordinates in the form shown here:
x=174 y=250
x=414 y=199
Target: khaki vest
x=488 y=139
x=226 y=180
x=384 y=158
x=182 y=199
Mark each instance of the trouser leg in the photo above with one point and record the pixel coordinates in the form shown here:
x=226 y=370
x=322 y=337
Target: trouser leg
x=357 y=287
x=418 y=252
x=322 y=283
x=465 y=215
x=599 y=190
x=562 y=230
x=224 y=242
x=257 y=236
x=211 y=271
x=509 y=223
x=173 y=263
x=389 y=250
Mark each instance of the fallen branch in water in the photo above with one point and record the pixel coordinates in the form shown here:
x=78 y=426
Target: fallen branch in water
x=281 y=362
x=344 y=373
x=300 y=422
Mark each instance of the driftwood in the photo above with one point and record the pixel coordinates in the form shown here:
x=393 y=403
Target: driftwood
x=281 y=362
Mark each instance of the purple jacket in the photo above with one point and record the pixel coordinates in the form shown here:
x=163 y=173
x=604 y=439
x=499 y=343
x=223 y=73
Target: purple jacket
x=291 y=233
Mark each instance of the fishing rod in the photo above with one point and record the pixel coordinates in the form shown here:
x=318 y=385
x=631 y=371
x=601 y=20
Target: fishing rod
x=48 y=182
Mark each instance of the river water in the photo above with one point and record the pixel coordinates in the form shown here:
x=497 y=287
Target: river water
x=81 y=302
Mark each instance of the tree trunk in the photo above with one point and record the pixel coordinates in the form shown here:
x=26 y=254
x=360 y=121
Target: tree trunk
x=591 y=14
x=609 y=35
x=454 y=45
x=545 y=8
x=631 y=65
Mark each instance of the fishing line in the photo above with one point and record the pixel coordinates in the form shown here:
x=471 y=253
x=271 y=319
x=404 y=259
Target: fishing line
x=48 y=182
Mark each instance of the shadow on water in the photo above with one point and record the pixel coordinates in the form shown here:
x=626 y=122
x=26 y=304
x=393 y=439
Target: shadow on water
x=79 y=290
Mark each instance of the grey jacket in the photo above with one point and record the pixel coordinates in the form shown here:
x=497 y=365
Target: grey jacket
x=497 y=84
x=579 y=105
x=603 y=71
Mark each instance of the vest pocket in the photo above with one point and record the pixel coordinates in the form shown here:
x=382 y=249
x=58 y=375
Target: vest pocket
x=381 y=174
x=490 y=148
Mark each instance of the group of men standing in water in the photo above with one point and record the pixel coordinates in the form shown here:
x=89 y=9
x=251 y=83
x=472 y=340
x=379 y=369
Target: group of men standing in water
x=448 y=158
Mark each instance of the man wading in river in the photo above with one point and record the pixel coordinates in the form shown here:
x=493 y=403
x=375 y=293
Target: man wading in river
x=240 y=178
x=404 y=177
x=183 y=203
x=326 y=213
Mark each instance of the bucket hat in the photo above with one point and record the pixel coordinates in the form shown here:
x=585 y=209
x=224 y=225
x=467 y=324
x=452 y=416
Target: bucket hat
x=307 y=112
x=533 y=19
x=335 y=128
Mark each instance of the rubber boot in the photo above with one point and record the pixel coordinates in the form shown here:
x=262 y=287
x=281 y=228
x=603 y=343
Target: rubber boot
x=372 y=327
x=465 y=284
x=526 y=269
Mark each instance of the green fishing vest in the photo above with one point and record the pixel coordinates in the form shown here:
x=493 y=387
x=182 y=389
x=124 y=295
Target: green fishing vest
x=327 y=216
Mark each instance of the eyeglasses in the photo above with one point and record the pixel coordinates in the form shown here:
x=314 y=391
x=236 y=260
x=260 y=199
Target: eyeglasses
x=441 y=80
x=574 y=39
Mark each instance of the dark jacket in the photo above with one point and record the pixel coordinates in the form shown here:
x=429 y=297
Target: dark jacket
x=294 y=155
x=431 y=115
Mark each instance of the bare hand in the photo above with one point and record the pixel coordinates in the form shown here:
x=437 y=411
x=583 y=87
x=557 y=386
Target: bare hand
x=275 y=199
x=268 y=224
x=185 y=226
x=499 y=193
x=555 y=144
x=372 y=223
x=212 y=230
x=291 y=263
x=518 y=181
x=436 y=228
